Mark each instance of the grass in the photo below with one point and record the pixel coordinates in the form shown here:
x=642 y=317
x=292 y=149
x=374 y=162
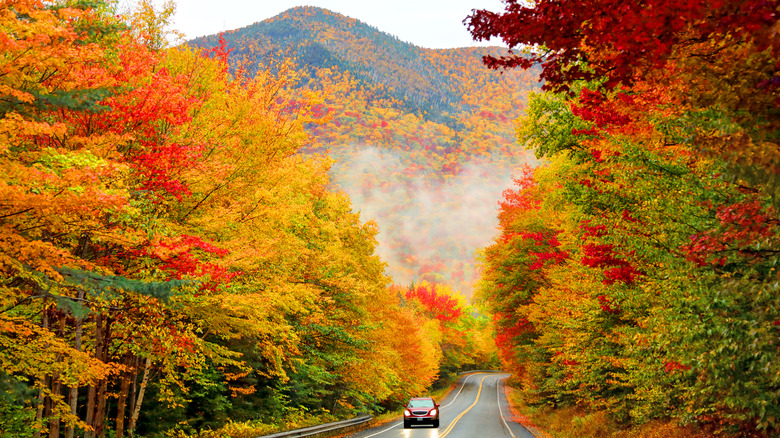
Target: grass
x=576 y=422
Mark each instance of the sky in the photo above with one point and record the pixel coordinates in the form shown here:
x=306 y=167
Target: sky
x=433 y=24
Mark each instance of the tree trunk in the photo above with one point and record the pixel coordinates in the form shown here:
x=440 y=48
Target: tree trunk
x=140 y=398
x=56 y=383
x=39 y=412
x=122 y=399
x=100 y=412
x=41 y=396
x=54 y=420
x=92 y=391
x=134 y=383
x=73 y=395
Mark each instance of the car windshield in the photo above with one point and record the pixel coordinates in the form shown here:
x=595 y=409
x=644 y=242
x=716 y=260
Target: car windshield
x=423 y=403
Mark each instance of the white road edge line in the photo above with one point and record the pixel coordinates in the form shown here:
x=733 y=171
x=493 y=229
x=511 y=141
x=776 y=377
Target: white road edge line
x=383 y=431
x=453 y=400
x=500 y=412
x=459 y=391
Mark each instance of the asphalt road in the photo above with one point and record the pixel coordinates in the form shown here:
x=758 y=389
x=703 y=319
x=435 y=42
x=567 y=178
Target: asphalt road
x=476 y=408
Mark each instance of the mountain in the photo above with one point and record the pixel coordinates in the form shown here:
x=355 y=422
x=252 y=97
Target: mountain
x=424 y=139
x=317 y=38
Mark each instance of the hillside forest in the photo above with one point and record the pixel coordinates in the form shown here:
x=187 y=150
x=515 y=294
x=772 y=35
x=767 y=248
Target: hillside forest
x=424 y=140
x=307 y=218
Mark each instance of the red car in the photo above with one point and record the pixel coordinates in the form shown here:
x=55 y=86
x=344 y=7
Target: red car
x=421 y=410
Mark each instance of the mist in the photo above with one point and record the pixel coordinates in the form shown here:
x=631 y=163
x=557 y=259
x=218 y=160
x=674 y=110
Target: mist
x=430 y=224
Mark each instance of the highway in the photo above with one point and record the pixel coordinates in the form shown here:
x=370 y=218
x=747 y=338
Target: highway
x=476 y=408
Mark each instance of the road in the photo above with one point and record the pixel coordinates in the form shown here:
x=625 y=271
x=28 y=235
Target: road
x=476 y=408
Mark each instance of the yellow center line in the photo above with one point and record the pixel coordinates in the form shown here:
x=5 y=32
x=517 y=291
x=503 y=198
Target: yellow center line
x=455 y=421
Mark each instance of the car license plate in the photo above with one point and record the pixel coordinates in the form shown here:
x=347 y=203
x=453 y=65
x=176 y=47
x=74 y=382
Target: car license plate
x=419 y=419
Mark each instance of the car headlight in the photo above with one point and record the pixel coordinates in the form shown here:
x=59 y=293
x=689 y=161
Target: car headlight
x=407 y=413
x=433 y=412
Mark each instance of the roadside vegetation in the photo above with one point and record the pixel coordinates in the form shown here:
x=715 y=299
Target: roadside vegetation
x=634 y=279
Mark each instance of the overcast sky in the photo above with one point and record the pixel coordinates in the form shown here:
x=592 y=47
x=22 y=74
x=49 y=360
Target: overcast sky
x=434 y=24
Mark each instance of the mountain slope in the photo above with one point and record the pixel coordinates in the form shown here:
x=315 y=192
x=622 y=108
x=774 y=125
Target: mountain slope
x=317 y=38
x=424 y=139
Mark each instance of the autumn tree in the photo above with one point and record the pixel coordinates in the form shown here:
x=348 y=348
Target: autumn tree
x=621 y=43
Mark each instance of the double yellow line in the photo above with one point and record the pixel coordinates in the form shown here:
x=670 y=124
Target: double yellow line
x=455 y=421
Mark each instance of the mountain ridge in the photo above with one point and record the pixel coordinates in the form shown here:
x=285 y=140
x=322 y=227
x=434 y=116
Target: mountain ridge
x=318 y=38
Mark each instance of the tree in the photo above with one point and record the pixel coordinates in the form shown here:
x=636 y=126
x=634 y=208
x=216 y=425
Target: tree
x=619 y=322
x=619 y=44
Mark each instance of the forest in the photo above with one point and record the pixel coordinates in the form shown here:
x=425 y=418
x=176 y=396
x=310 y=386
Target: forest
x=636 y=270
x=306 y=219
x=424 y=140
